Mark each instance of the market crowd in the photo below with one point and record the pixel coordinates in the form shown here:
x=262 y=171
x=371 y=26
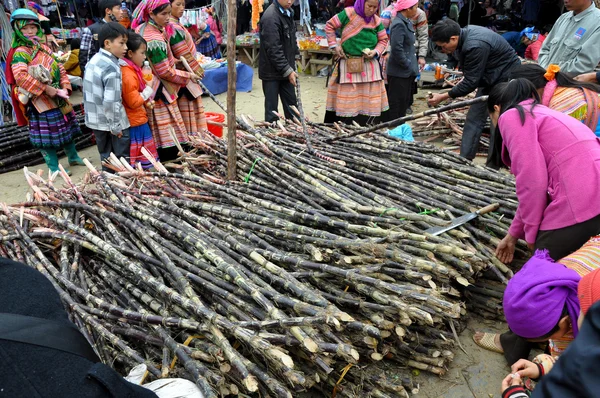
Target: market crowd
x=140 y=85
x=543 y=112
x=140 y=90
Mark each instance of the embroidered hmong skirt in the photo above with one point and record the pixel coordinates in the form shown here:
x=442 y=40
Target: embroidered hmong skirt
x=192 y=112
x=209 y=47
x=51 y=129
x=141 y=137
x=163 y=116
x=353 y=99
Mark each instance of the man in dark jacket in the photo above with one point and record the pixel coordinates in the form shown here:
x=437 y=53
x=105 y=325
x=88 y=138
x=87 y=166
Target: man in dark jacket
x=277 y=58
x=42 y=354
x=486 y=59
x=89 y=37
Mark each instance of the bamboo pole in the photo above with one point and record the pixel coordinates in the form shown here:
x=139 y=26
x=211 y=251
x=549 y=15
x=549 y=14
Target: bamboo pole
x=231 y=87
x=399 y=121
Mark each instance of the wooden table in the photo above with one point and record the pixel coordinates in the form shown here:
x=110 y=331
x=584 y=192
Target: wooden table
x=251 y=51
x=316 y=59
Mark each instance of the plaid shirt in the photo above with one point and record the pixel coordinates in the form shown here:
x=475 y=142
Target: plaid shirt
x=102 y=83
x=87 y=48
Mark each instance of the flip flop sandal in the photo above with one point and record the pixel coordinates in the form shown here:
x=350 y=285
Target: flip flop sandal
x=487 y=342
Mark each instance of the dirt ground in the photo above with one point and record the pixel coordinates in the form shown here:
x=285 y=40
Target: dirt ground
x=474 y=374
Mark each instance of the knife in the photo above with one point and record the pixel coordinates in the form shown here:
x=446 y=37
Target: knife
x=457 y=222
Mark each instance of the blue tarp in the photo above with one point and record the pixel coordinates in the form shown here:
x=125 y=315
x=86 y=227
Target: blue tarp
x=216 y=79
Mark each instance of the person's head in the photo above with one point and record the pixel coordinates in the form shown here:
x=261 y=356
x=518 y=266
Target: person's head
x=285 y=4
x=540 y=301
x=113 y=38
x=502 y=97
x=540 y=77
x=35 y=7
x=371 y=7
x=136 y=49
x=26 y=28
x=505 y=96
x=177 y=8
x=529 y=35
x=366 y=9
x=588 y=293
x=161 y=14
x=408 y=8
x=75 y=43
x=445 y=35
x=577 y=5
x=110 y=8
x=546 y=29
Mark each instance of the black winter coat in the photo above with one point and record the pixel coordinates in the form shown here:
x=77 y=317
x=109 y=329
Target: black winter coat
x=577 y=372
x=34 y=371
x=278 y=46
x=485 y=58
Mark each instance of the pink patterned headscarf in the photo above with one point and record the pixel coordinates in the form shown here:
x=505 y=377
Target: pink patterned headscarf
x=142 y=12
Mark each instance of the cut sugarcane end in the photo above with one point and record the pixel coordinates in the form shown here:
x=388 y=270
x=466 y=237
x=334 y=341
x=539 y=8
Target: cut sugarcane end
x=463 y=281
x=400 y=331
x=250 y=383
x=385 y=334
x=354 y=354
x=284 y=358
x=344 y=317
x=225 y=368
x=310 y=345
x=376 y=356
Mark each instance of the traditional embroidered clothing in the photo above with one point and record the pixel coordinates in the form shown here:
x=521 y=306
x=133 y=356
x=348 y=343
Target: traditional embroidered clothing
x=357 y=98
x=52 y=121
x=581 y=103
x=166 y=111
x=190 y=96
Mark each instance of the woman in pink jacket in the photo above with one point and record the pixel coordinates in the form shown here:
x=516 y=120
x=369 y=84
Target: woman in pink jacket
x=556 y=162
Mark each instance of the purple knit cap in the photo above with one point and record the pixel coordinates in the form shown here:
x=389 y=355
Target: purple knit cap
x=359 y=8
x=536 y=296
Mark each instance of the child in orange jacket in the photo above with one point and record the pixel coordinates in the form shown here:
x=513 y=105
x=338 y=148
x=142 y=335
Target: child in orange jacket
x=135 y=99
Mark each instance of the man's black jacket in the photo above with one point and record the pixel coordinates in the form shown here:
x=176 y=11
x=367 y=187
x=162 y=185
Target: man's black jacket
x=485 y=58
x=278 y=46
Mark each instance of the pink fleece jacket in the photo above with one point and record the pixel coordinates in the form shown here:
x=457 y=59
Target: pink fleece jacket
x=556 y=162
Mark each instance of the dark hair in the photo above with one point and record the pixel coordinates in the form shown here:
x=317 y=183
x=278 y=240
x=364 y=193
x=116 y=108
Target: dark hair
x=556 y=327
x=546 y=29
x=160 y=8
x=104 y=4
x=508 y=96
x=75 y=43
x=111 y=31
x=135 y=41
x=444 y=30
x=535 y=74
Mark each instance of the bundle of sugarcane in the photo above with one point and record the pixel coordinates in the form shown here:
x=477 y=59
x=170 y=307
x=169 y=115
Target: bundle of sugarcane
x=16 y=150
x=315 y=263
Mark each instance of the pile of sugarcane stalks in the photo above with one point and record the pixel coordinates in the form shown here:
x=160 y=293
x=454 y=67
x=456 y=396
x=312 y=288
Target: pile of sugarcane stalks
x=16 y=150
x=308 y=273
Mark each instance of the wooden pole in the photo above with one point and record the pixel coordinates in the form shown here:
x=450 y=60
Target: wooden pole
x=231 y=87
